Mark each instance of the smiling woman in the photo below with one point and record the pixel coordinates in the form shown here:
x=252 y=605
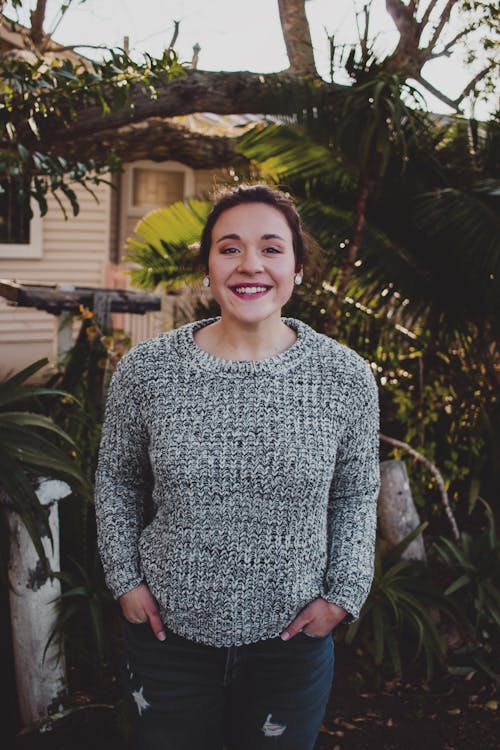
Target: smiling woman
x=251 y=269
x=255 y=441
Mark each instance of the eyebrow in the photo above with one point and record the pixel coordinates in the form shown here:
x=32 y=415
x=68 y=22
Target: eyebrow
x=270 y=236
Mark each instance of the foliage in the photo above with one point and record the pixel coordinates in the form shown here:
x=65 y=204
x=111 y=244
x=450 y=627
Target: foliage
x=85 y=610
x=472 y=572
x=36 y=96
x=28 y=448
x=164 y=245
x=395 y=625
x=84 y=373
x=377 y=124
x=422 y=302
x=483 y=16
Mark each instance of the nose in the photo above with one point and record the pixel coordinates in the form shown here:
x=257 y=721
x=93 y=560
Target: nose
x=250 y=262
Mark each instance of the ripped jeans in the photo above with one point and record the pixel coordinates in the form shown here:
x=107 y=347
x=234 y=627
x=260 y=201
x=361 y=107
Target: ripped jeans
x=189 y=696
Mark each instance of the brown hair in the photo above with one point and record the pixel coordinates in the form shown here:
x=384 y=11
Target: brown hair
x=255 y=194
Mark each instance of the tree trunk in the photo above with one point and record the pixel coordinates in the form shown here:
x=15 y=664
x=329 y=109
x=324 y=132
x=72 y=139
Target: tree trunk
x=352 y=253
x=40 y=671
x=397 y=513
x=297 y=37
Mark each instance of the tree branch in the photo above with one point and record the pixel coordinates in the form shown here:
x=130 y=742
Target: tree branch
x=71 y=47
x=446 y=51
x=472 y=85
x=202 y=91
x=159 y=140
x=62 y=12
x=37 y=17
x=427 y=13
x=437 y=476
x=363 y=37
x=454 y=103
x=445 y=17
x=174 y=35
x=435 y=92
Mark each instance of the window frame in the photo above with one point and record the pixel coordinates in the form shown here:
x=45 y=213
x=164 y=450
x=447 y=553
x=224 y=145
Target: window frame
x=32 y=250
x=161 y=166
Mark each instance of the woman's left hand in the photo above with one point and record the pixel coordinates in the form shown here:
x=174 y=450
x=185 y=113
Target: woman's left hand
x=317 y=619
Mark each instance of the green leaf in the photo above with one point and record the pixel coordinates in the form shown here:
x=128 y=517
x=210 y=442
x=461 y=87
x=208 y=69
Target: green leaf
x=378 y=635
x=19 y=489
x=458 y=584
x=13 y=419
x=398 y=550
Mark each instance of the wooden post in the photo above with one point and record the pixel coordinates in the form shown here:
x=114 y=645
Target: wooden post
x=64 y=327
x=397 y=513
x=102 y=310
x=40 y=677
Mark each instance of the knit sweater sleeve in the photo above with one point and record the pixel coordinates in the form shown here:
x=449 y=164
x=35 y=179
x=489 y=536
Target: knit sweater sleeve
x=352 y=511
x=123 y=481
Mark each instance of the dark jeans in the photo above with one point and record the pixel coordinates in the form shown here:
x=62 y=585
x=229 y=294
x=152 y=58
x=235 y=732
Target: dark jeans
x=188 y=696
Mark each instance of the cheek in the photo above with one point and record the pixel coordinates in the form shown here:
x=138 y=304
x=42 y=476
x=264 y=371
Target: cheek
x=287 y=287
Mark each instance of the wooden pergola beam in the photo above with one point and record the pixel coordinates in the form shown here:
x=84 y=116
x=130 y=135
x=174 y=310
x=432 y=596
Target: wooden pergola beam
x=54 y=300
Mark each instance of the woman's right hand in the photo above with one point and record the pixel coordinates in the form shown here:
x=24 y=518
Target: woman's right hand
x=139 y=605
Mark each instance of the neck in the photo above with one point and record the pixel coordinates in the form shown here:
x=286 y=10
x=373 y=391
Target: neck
x=237 y=340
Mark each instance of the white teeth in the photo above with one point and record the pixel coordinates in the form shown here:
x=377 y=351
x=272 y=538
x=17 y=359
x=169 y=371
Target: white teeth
x=250 y=289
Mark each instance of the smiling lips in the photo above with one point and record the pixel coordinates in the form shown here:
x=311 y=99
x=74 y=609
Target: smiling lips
x=250 y=291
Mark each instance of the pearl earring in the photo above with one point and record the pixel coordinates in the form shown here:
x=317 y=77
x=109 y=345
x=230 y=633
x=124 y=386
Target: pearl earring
x=206 y=281
x=298 y=279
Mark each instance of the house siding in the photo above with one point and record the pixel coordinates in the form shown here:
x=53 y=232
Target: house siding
x=75 y=251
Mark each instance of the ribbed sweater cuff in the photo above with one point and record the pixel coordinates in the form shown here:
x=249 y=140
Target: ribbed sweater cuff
x=118 y=588
x=352 y=612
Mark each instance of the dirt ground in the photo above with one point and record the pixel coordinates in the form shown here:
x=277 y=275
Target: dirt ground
x=457 y=714
x=452 y=713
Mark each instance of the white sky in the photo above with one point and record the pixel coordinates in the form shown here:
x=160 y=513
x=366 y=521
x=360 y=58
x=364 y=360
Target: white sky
x=240 y=34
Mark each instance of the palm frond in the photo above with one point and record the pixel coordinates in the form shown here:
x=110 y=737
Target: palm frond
x=162 y=245
x=282 y=152
x=464 y=228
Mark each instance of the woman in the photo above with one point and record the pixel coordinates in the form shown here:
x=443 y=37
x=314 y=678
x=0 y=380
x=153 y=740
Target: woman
x=236 y=499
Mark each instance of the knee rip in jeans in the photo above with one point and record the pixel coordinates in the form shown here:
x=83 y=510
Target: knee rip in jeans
x=140 y=700
x=271 y=728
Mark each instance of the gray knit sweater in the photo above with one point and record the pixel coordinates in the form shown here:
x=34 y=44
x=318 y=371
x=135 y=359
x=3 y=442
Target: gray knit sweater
x=239 y=490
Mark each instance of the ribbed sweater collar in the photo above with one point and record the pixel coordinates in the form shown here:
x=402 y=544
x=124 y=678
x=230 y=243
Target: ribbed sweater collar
x=190 y=352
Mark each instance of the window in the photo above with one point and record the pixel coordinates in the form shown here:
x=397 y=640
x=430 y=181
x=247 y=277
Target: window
x=154 y=188
x=146 y=186
x=20 y=236
x=157 y=184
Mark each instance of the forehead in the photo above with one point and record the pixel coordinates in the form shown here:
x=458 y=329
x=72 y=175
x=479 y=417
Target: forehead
x=252 y=220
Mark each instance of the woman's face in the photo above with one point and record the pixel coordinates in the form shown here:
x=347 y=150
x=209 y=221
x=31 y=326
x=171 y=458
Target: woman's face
x=251 y=263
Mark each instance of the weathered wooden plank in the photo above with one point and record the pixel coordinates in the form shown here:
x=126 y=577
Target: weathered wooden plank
x=54 y=300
